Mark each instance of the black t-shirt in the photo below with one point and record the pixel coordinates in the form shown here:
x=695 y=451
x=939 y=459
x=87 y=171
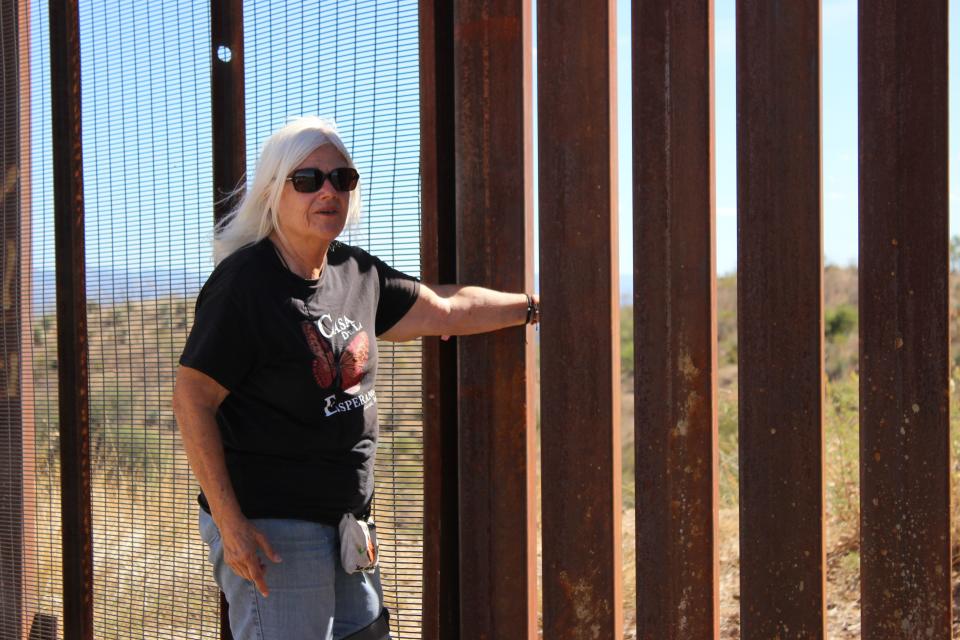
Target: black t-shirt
x=299 y=358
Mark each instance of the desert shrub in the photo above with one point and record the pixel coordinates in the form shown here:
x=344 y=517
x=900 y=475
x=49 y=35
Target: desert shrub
x=840 y=321
x=626 y=342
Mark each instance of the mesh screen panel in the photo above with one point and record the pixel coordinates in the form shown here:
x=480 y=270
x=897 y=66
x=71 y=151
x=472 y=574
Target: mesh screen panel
x=358 y=62
x=147 y=156
x=147 y=160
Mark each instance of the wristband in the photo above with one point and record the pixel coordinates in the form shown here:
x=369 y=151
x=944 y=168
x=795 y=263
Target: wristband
x=533 y=310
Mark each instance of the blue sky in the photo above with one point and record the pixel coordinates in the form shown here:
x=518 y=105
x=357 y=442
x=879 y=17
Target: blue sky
x=146 y=111
x=147 y=125
x=839 y=82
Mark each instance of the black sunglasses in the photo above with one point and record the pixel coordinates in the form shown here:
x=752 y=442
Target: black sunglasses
x=311 y=180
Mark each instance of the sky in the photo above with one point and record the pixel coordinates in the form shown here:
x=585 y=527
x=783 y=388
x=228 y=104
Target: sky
x=147 y=126
x=839 y=131
x=146 y=112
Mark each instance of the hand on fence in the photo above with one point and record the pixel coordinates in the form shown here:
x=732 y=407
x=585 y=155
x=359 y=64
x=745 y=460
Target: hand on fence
x=241 y=542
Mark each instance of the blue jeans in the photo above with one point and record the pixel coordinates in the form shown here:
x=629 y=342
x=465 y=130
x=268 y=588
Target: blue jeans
x=311 y=596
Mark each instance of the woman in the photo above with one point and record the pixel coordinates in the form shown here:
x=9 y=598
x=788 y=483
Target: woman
x=275 y=393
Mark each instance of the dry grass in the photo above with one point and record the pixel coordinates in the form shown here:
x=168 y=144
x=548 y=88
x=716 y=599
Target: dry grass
x=151 y=575
x=152 y=578
x=843 y=589
x=841 y=442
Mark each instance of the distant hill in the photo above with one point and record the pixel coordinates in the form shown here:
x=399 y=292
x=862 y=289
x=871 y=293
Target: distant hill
x=109 y=286
x=840 y=314
x=839 y=287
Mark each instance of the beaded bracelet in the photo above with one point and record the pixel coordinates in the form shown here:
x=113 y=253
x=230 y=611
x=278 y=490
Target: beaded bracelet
x=533 y=310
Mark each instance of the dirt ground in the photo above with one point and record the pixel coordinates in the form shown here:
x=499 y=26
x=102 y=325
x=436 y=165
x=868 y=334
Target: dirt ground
x=843 y=581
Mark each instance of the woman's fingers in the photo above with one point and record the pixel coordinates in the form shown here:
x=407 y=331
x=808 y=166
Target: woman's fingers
x=267 y=549
x=240 y=553
x=249 y=567
x=257 y=577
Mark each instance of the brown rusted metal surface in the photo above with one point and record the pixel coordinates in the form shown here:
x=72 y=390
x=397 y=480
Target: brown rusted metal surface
x=674 y=320
x=13 y=333
x=493 y=171
x=31 y=550
x=441 y=555
x=904 y=361
x=229 y=132
x=72 y=354
x=780 y=324
x=580 y=430
x=227 y=87
x=18 y=298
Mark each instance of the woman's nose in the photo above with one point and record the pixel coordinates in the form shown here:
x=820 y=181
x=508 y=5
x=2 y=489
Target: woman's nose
x=327 y=189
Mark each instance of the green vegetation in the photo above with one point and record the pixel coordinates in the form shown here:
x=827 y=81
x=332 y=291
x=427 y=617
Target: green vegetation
x=626 y=342
x=840 y=321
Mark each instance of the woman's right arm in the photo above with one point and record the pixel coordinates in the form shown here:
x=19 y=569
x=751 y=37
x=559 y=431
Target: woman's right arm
x=196 y=397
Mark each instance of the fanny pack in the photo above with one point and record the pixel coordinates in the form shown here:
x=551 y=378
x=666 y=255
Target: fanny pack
x=359 y=550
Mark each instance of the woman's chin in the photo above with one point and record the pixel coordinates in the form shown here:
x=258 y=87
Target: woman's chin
x=323 y=232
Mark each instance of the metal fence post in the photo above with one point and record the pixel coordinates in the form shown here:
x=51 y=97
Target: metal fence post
x=904 y=339
x=579 y=355
x=441 y=550
x=13 y=335
x=229 y=130
x=780 y=319
x=494 y=187
x=675 y=320
x=72 y=355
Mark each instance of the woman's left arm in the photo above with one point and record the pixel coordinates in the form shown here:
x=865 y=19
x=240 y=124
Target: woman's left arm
x=456 y=310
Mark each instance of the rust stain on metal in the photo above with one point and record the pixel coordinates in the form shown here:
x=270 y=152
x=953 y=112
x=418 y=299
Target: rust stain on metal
x=499 y=30
x=588 y=612
x=494 y=223
x=687 y=412
x=579 y=336
x=675 y=320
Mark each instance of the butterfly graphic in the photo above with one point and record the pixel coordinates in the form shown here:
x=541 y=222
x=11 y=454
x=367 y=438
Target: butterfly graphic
x=346 y=365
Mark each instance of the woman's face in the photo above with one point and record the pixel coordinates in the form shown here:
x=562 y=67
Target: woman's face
x=317 y=217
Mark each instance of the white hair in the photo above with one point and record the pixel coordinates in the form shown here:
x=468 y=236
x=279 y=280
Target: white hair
x=255 y=215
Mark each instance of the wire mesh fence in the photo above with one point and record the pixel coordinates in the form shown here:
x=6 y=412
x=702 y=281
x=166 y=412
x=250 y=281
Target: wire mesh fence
x=147 y=157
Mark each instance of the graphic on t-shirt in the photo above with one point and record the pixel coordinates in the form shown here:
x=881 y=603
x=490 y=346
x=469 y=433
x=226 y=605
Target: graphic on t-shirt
x=345 y=367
